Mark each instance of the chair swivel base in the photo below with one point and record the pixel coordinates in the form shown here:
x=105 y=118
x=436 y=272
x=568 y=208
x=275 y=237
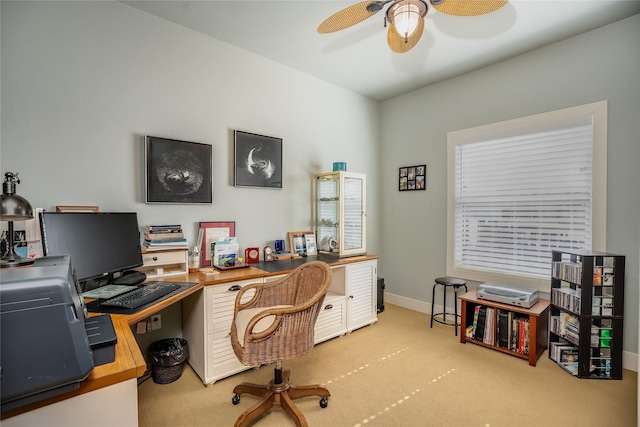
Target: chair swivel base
x=277 y=394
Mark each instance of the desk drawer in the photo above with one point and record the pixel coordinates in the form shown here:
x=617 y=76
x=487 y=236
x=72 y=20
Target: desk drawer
x=220 y=301
x=332 y=320
x=150 y=259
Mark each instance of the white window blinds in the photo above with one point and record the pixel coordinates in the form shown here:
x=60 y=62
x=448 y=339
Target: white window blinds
x=518 y=198
x=520 y=188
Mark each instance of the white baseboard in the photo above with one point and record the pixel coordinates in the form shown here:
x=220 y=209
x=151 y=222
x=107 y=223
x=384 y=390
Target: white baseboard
x=629 y=360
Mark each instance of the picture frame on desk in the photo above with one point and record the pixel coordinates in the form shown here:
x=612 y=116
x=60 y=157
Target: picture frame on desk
x=177 y=171
x=211 y=233
x=310 y=242
x=298 y=243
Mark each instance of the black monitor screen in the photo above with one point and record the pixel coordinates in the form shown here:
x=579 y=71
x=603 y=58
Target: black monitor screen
x=100 y=244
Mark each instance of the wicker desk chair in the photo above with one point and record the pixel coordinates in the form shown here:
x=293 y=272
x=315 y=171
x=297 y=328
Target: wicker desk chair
x=277 y=324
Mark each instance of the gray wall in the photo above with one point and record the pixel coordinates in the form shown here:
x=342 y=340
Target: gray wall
x=599 y=65
x=82 y=82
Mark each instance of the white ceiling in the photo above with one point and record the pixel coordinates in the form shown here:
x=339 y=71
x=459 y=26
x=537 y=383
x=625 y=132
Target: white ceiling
x=359 y=59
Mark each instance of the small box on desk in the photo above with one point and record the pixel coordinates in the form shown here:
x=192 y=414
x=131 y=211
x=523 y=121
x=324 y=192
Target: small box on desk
x=102 y=339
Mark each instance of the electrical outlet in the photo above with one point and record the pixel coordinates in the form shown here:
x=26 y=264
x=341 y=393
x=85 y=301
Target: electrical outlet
x=156 y=322
x=141 y=328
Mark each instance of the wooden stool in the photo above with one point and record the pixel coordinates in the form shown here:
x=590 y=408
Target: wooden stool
x=447 y=282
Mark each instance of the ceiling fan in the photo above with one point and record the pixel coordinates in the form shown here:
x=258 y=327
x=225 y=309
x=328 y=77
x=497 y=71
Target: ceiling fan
x=405 y=18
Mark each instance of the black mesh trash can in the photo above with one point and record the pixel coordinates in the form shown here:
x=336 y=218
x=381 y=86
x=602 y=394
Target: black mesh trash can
x=166 y=358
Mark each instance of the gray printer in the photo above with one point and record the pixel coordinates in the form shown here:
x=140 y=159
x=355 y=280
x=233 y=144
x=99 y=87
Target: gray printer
x=45 y=348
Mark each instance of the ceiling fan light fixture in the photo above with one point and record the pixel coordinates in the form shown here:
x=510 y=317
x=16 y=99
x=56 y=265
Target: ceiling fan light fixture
x=405 y=16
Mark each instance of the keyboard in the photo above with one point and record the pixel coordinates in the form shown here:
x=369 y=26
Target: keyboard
x=145 y=294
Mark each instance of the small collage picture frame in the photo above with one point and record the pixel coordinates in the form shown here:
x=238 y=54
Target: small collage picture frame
x=412 y=178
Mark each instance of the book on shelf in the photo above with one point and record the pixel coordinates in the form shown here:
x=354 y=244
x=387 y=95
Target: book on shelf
x=165 y=246
x=519 y=334
x=482 y=317
x=513 y=337
x=165 y=241
x=489 y=337
x=523 y=336
x=503 y=329
x=163 y=229
x=474 y=325
x=157 y=236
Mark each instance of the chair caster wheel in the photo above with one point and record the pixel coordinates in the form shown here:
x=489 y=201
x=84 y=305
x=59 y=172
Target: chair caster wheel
x=324 y=402
x=235 y=399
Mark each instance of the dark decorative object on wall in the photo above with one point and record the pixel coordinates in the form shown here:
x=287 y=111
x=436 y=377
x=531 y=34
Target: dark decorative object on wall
x=258 y=160
x=413 y=178
x=177 y=171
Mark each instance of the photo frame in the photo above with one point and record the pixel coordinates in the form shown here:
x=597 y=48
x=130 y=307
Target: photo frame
x=297 y=242
x=257 y=160
x=412 y=178
x=77 y=209
x=311 y=244
x=177 y=171
x=211 y=233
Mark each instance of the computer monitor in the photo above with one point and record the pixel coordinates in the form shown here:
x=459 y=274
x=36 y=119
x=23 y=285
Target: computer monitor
x=100 y=244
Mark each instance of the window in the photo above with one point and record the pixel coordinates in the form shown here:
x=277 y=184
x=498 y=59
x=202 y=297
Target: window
x=520 y=188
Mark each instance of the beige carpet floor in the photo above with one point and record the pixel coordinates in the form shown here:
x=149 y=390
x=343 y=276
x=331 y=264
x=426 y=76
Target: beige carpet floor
x=400 y=372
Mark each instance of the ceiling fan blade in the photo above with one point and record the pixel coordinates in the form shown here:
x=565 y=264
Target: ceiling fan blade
x=467 y=7
x=350 y=16
x=398 y=44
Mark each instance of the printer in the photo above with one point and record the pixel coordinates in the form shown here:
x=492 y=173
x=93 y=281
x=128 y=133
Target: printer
x=46 y=349
x=507 y=295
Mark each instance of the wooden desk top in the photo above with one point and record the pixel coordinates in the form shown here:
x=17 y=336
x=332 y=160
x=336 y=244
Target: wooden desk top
x=129 y=362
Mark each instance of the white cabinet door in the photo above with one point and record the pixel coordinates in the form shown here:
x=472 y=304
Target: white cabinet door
x=361 y=294
x=332 y=320
x=222 y=361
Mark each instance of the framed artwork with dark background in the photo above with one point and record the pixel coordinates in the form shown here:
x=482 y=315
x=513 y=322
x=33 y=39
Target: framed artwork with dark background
x=258 y=160
x=412 y=178
x=177 y=171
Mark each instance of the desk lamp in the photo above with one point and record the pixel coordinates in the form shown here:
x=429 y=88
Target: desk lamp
x=14 y=208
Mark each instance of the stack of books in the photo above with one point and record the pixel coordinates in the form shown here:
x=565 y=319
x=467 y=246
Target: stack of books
x=161 y=236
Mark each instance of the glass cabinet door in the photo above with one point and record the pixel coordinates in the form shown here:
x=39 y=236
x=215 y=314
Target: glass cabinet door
x=340 y=213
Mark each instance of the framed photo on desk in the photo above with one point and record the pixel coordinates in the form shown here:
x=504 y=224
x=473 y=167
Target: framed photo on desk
x=211 y=233
x=297 y=242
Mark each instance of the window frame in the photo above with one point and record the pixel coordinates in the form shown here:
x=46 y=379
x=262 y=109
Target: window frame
x=597 y=113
